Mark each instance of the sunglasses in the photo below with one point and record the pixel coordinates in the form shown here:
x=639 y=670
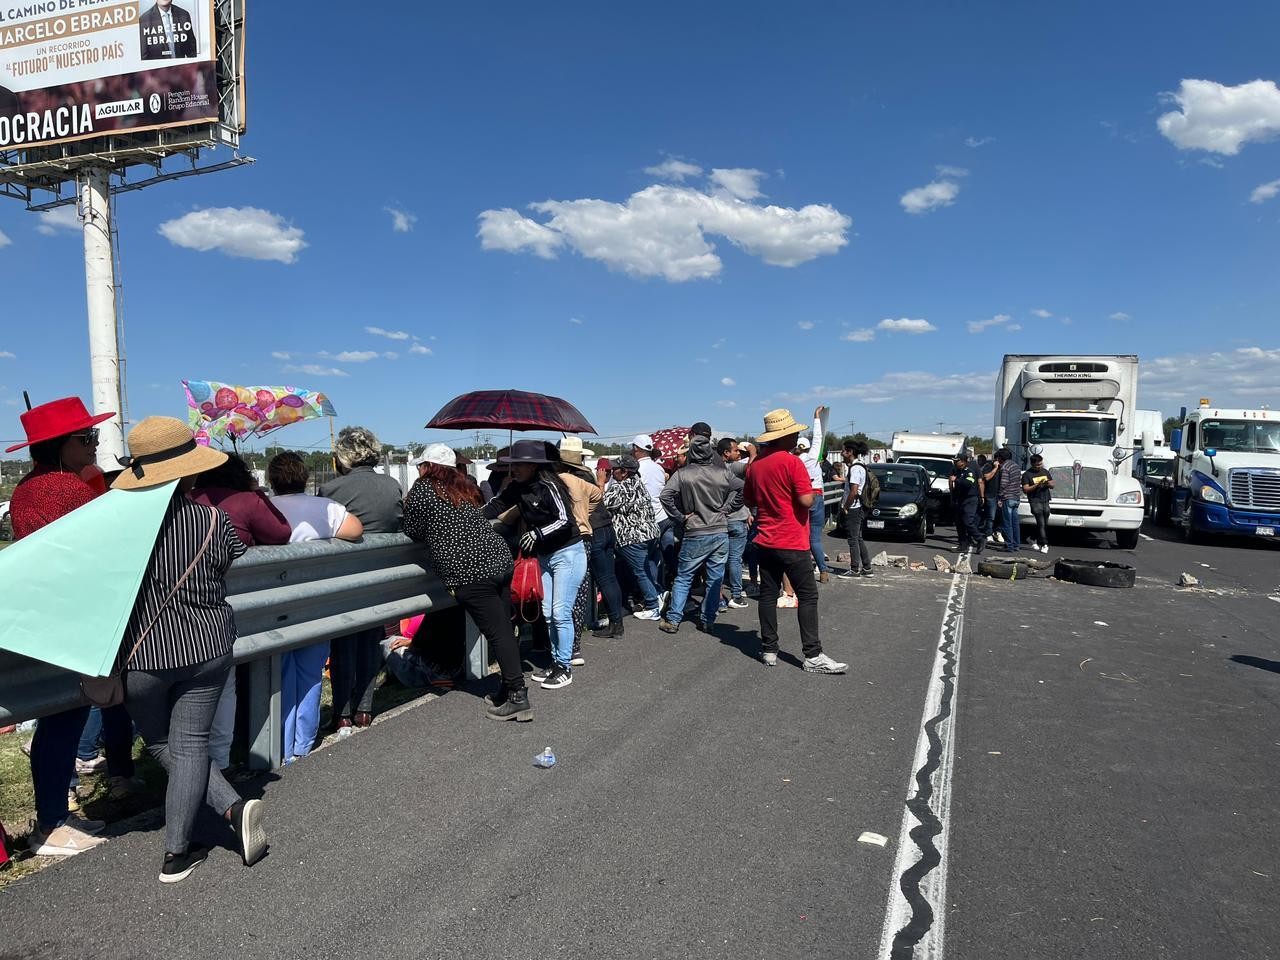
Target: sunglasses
x=88 y=437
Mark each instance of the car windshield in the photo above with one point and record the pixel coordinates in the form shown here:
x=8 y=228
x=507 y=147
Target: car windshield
x=899 y=479
x=935 y=468
x=1100 y=430
x=1240 y=436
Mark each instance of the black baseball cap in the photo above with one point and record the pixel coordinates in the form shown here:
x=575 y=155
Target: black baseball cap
x=700 y=429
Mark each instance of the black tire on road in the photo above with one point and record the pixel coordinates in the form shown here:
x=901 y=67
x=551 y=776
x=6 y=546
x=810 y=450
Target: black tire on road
x=1095 y=573
x=1004 y=569
x=922 y=532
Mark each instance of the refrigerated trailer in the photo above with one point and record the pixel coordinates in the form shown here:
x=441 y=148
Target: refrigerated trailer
x=1078 y=413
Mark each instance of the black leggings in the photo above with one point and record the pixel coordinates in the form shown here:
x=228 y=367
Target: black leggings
x=489 y=604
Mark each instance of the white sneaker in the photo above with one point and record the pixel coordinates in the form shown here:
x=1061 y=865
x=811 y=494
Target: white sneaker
x=647 y=615
x=91 y=827
x=824 y=664
x=61 y=841
x=1044 y=548
x=770 y=659
x=85 y=767
x=738 y=603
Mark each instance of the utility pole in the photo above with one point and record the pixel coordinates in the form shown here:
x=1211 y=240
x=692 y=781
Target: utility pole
x=100 y=294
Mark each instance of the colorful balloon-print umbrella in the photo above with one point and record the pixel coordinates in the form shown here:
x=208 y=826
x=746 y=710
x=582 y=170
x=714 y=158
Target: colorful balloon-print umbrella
x=222 y=411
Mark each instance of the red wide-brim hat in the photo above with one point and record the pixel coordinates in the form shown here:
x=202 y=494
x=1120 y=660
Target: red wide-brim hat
x=57 y=418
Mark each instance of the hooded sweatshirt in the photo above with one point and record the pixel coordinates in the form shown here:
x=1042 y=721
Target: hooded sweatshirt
x=702 y=492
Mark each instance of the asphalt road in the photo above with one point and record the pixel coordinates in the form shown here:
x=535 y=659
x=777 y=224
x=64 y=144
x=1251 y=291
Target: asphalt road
x=1110 y=795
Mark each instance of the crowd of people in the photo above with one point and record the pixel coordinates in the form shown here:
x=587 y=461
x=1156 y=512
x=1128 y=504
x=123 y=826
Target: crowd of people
x=660 y=544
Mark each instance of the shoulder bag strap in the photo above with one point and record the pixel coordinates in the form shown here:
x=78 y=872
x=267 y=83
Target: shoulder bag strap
x=208 y=538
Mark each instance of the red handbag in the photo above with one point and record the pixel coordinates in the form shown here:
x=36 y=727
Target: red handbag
x=526 y=585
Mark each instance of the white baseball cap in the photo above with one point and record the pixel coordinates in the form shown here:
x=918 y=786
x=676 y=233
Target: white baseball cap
x=643 y=441
x=802 y=443
x=438 y=453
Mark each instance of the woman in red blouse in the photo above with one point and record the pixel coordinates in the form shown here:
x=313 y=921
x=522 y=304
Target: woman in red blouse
x=63 y=438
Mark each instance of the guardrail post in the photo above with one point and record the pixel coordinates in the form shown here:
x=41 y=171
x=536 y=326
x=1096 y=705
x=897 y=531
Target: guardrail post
x=477 y=651
x=266 y=725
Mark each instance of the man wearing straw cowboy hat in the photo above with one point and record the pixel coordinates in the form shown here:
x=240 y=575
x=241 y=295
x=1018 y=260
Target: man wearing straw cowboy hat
x=779 y=489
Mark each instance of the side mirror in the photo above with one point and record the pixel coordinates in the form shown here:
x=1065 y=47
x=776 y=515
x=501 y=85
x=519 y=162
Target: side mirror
x=1175 y=440
x=1210 y=452
x=1118 y=454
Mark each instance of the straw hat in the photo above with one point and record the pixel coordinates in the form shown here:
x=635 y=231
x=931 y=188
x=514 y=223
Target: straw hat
x=777 y=424
x=163 y=449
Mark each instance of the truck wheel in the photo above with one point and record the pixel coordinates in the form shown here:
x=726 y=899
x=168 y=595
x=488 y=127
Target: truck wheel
x=1127 y=539
x=1094 y=573
x=1189 y=533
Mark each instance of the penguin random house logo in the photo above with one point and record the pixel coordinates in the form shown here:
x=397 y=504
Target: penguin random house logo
x=154 y=103
x=118 y=108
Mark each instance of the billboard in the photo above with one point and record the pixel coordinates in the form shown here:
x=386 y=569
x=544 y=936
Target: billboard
x=73 y=69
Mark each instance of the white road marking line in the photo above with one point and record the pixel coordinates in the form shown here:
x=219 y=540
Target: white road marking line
x=931 y=887
x=1276 y=599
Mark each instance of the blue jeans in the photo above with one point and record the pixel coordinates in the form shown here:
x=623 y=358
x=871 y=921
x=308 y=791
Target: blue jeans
x=53 y=763
x=1012 y=529
x=562 y=575
x=733 y=567
x=667 y=547
x=642 y=558
x=301 y=673
x=817 y=520
x=990 y=509
x=114 y=727
x=713 y=550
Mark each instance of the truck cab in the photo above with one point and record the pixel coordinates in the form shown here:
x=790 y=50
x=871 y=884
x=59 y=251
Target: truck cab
x=1228 y=472
x=1153 y=466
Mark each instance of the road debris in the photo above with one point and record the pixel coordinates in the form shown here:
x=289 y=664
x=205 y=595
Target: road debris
x=1101 y=623
x=941 y=564
x=1187 y=580
x=1084 y=661
x=962 y=565
x=874 y=839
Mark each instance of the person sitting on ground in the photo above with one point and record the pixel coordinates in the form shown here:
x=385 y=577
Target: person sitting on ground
x=474 y=563
x=629 y=504
x=548 y=529
x=233 y=489
x=700 y=496
x=302 y=670
x=177 y=645
x=375 y=498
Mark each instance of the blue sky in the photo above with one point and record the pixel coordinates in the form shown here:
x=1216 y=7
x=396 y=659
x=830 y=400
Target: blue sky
x=948 y=182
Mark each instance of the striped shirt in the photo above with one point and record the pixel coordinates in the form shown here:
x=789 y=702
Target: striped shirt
x=197 y=624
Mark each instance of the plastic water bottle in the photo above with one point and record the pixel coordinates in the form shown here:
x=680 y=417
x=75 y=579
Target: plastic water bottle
x=545 y=759
x=344 y=732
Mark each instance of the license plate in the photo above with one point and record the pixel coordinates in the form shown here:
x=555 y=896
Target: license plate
x=875 y=524
x=1075 y=522
x=1266 y=531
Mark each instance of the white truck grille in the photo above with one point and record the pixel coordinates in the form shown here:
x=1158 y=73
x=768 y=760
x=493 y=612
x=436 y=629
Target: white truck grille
x=1093 y=483
x=1257 y=489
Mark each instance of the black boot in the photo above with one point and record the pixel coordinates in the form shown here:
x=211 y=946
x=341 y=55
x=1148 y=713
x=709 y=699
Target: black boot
x=611 y=632
x=515 y=708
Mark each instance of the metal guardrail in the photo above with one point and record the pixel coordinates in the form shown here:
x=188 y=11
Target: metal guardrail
x=287 y=597
x=284 y=597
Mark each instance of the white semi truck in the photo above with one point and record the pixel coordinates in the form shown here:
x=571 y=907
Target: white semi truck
x=1078 y=413
x=1153 y=465
x=1228 y=472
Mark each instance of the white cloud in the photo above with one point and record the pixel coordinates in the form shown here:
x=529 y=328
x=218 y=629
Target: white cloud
x=906 y=326
x=355 y=356
x=978 y=141
x=315 y=370
x=281 y=355
x=976 y=387
x=402 y=221
x=951 y=173
x=390 y=355
x=420 y=349
x=876 y=399
x=6 y=355
x=728 y=382
x=805 y=324
x=1042 y=313
x=939 y=193
x=1263 y=193
x=65 y=217
x=507 y=230
x=862 y=335
x=1212 y=116
x=674 y=170
x=728 y=404
x=246 y=232
x=389 y=334
x=743 y=183
x=4 y=240
x=662 y=230
x=1002 y=320
x=1244 y=377
x=1120 y=316
x=576 y=320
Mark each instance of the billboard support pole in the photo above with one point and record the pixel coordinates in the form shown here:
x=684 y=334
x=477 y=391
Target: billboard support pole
x=100 y=294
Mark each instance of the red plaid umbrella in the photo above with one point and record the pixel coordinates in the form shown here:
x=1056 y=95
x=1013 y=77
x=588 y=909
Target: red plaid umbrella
x=512 y=409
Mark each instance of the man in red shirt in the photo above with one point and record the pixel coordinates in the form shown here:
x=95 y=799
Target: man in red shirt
x=780 y=492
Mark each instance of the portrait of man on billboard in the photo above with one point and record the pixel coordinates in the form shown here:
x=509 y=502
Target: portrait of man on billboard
x=167 y=32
